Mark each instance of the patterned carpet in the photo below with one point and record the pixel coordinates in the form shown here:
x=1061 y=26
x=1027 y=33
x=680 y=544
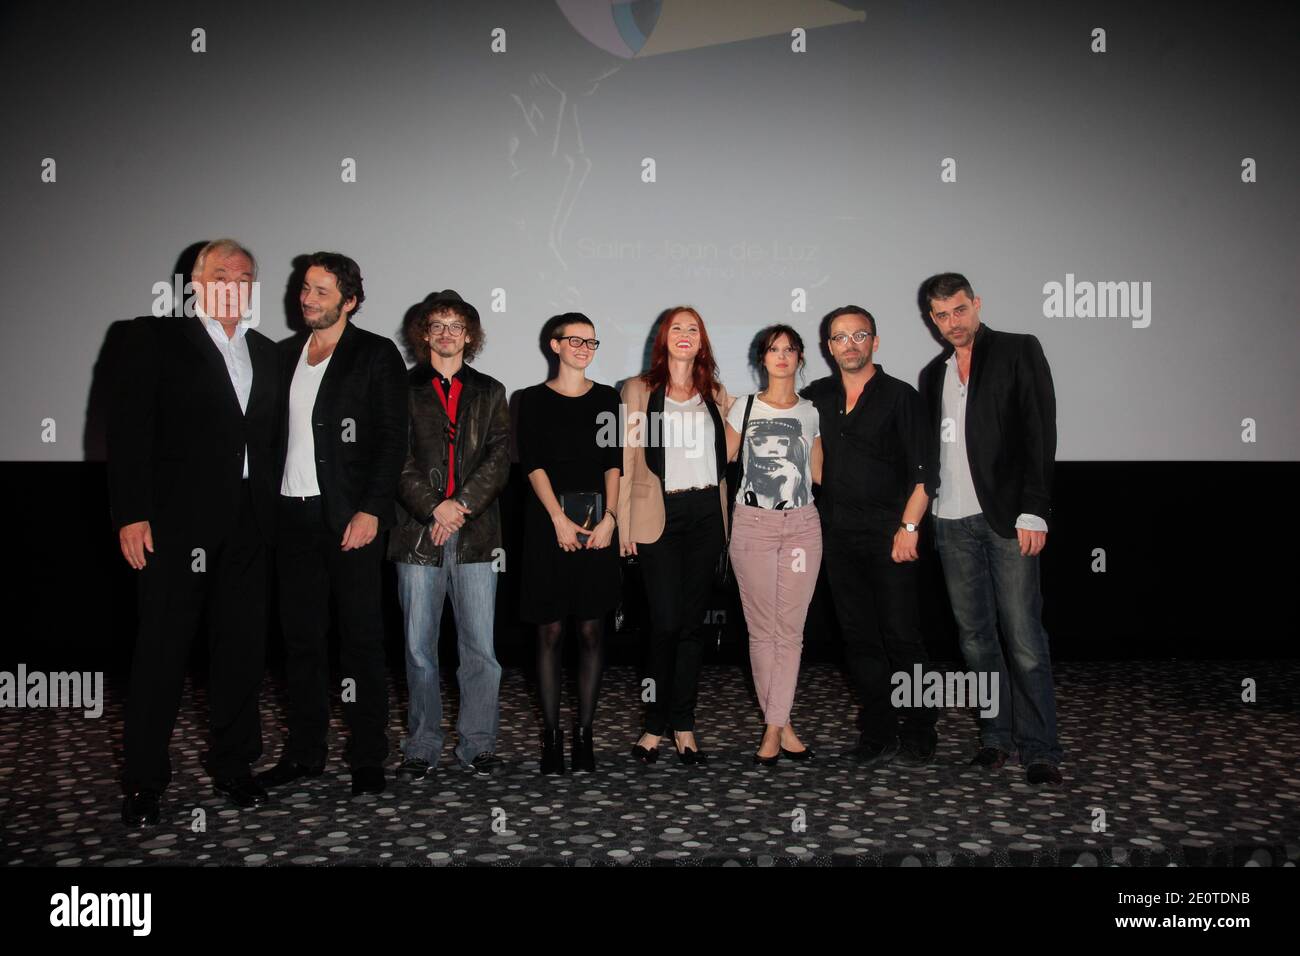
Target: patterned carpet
x=1185 y=772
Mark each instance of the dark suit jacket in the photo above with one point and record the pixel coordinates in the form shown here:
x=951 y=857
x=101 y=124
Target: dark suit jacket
x=1010 y=424
x=176 y=433
x=358 y=422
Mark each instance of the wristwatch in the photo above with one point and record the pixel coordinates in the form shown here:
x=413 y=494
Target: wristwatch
x=909 y=527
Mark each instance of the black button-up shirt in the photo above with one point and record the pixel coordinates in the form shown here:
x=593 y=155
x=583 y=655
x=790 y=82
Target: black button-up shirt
x=874 y=456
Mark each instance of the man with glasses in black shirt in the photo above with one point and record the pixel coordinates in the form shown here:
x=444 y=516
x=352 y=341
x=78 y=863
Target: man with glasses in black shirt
x=876 y=483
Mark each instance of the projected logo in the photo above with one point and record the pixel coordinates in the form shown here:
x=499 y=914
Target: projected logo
x=639 y=28
x=550 y=163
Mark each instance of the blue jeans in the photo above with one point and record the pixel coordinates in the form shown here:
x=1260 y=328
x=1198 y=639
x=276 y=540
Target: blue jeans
x=422 y=590
x=992 y=585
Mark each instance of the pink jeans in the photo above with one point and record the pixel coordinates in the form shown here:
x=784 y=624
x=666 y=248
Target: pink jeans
x=776 y=556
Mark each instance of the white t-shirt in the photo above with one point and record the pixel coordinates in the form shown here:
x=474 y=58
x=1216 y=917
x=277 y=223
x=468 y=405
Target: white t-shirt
x=776 y=453
x=687 y=438
x=300 y=463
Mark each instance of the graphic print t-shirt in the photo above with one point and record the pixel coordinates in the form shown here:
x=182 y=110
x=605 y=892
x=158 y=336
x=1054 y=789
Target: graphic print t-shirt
x=775 y=453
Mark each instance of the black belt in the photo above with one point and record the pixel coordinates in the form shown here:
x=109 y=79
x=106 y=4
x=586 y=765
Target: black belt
x=687 y=491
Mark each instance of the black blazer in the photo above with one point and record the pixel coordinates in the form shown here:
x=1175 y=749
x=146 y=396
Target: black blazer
x=359 y=425
x=654 y=453
x=1010 y=424
x=176 y=433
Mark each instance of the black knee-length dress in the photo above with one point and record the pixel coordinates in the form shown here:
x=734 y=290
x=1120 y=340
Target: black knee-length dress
x=559 y=434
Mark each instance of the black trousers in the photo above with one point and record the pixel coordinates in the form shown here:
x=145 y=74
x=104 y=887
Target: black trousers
x=312 y=570
x=678 y=571
x=877 y=606
x=228 y=579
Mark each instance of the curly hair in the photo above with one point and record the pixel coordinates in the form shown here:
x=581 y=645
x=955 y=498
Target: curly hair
x=417 y=332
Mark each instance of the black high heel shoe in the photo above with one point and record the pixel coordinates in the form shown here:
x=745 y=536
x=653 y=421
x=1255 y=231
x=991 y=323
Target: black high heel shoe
x=767 y=761
x=690 y=756
x=584 y=751
x=800 y=755
x=553 y=751
x=645 y=755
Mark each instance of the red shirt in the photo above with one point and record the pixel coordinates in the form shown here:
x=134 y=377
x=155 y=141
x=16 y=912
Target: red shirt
x=449 y=404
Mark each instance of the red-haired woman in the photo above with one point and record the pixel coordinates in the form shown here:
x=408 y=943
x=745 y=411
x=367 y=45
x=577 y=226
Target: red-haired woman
x=672 y=514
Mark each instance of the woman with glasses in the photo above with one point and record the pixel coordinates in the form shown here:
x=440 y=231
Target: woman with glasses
x=671 y=515
x=569 y=451
x=776 y=537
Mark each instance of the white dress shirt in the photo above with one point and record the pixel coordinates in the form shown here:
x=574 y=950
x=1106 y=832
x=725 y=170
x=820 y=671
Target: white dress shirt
x=239 y=364
x=956 y=497
x=300 y=479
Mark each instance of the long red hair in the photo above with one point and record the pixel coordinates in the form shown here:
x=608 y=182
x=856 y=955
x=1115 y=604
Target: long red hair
x=704 y=373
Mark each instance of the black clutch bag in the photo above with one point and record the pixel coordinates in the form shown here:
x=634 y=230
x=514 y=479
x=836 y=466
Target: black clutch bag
x=583 y=508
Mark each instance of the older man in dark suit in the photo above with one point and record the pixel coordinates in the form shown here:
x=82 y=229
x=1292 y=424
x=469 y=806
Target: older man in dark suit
x=193 y=433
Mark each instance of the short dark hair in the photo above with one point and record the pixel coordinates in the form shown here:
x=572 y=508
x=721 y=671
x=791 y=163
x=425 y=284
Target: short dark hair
x=346 y=273
x=557 y=322
x=945 y=285
x=846 y=310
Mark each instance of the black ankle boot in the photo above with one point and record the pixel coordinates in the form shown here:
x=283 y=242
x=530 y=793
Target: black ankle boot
x=552 y=751
x=584 y=751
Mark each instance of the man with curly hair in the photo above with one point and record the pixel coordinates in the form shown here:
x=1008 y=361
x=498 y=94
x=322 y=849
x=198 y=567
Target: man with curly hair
x=449 y=542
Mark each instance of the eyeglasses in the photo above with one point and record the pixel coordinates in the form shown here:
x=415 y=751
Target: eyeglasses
x=842 y=338
x=437 y=328
x=577 y=341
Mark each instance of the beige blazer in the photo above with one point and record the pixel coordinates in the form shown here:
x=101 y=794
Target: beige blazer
x=640 y=492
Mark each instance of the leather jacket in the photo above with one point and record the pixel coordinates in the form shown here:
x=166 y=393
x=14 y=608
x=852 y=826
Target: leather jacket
x=482 y=468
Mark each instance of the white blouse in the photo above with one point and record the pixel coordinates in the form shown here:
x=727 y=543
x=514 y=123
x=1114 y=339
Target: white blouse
x=686 y=435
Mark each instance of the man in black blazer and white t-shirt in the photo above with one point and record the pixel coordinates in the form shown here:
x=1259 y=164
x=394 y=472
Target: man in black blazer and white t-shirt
x=992 y=413
x=344 y=421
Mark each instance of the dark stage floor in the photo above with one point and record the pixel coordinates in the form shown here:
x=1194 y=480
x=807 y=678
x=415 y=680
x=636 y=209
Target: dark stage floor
x=1185 y=772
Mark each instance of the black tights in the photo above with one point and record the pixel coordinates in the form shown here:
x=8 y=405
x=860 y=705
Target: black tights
x=550 y=646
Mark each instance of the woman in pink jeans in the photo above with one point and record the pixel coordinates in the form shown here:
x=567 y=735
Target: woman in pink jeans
x=776 y=538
